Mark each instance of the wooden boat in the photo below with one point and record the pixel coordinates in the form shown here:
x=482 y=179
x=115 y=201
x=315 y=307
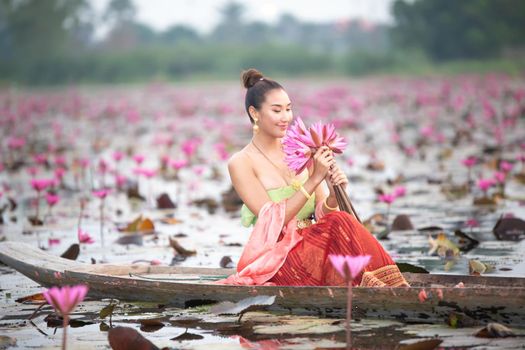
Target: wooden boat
x=500 y=299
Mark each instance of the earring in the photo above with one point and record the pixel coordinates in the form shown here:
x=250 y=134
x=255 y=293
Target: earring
x=255 y=127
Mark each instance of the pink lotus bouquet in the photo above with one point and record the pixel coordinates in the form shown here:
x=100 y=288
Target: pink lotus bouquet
x=301 y=143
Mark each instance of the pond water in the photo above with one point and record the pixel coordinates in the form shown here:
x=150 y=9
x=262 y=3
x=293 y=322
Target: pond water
x=401 y=132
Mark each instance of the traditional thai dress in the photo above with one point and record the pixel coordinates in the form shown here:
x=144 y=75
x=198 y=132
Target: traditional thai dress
x=297 y=253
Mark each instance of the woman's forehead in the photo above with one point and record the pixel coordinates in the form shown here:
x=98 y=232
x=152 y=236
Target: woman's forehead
x=277 y=97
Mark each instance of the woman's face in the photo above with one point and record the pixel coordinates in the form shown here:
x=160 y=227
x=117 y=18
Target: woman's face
x=275 y=113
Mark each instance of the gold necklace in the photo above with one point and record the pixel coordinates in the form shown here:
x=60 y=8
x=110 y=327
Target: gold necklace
x=275 y=165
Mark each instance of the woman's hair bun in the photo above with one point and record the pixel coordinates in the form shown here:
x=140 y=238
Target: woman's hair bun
x=250 y=77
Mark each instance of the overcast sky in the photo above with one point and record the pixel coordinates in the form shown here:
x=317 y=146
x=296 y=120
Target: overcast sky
x=204 y=14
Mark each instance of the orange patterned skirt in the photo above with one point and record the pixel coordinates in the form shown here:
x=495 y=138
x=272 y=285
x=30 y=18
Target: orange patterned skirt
x=307 y=264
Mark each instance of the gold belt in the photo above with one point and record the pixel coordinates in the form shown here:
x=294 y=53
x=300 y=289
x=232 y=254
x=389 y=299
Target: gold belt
x=304 y=223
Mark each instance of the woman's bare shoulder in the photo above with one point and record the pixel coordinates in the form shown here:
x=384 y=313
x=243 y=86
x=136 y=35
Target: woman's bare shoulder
x=240 y=161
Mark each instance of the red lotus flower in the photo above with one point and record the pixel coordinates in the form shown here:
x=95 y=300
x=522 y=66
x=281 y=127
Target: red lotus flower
x=300 y=143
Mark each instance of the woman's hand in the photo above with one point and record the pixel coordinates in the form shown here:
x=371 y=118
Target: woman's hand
x=323 y=160
x=334 y=177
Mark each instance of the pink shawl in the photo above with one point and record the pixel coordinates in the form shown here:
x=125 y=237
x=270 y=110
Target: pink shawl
x=263 y=255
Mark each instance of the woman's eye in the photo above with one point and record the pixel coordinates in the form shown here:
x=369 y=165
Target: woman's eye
x=276 y=111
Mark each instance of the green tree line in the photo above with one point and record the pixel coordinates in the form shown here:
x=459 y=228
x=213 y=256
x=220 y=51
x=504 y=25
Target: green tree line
x=54 y=41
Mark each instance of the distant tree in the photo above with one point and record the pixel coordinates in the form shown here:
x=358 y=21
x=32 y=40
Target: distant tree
x=35 y=29
x=179 y=33
x=230 y=27
x=451 y=29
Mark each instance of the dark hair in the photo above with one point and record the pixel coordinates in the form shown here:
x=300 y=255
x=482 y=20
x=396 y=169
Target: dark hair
x=257 y=86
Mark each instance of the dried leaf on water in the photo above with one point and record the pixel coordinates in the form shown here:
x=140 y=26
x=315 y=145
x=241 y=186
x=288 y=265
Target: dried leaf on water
x=180 y=249
x=442 y=246
x=107 y=311
x=494 y=330
x=466 y=243
x=476 y=267
x=72 y=252
x=140 y=225
x=460 y=320
x=170 y=221
x=6 y=342
x=489 y=201
x=424 y=344
x=37 y=298
x=509 y=229
x=253 y=303
x=125 y=338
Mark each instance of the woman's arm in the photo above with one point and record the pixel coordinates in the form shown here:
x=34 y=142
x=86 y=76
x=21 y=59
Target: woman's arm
x=254 y=195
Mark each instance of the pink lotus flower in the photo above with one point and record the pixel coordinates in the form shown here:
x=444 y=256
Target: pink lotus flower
x=64 y=300
x=120 y=180
x=59 y=173
x=117 y=156
x=40 y=184
x=178 y=164
x=387 y=198
x=506 y=166
x=500 y=176
x=138 y=158
x=32 y=171
x=149 y=173
x=84 y=237
x=300 y=144
x=400 y=191
x=469 y=161
x=60 y=160
x=52 y=199
x=155 y=262
x=189 y=147
x=101 y=193
x=53 y=241
x=40 y=159
x=348 y=266
x=485 y=184
x=16 y=142
x=472 y=223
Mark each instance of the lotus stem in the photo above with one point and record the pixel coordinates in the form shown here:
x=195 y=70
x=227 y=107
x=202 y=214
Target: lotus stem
x=65 y=323
x=349 y=315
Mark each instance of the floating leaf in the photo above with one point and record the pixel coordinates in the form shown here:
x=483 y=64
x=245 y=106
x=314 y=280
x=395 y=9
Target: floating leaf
x=72 y=252
x=406 y=267
x=226 y=262
x=494 y=330
x=402 y=223
x=442 y=245
x=425 y=344
x=509 y=229
x=489 y=201
x=180 y=249
x=151 y=324
x=125 y=338
x=300 y=325
x=188 y=336
x=460 y=320
x=164 y=202
x=242 y=306
x=140 y=225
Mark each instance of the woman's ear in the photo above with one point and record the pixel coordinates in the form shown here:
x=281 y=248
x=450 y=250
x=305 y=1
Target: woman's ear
x=253 y=113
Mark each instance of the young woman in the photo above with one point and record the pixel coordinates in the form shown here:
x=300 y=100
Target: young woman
x=286 y=247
